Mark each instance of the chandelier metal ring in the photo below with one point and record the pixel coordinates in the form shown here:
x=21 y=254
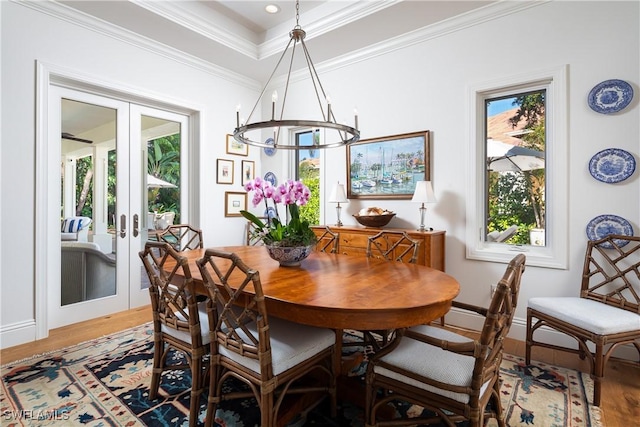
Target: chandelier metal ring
x=351 y=134
x=346 y=134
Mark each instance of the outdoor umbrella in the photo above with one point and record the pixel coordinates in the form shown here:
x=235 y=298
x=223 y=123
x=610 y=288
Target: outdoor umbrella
x=153 y=182
x=514 y=159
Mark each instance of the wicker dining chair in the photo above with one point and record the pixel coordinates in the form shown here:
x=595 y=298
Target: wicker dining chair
x=393 y=246
x=180 y=323
x=269 y=354
x=251 y=236
x=328 y=241
x=607 y=312
x=182 y=237
x=454 y=377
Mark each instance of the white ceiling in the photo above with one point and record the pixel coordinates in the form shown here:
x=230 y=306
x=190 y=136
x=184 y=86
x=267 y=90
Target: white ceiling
x=240 y=36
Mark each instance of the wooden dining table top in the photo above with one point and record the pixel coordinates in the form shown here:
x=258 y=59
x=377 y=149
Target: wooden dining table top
x=343 y=291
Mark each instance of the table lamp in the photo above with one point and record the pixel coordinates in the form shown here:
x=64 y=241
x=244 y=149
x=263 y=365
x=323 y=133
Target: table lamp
x=423 y=194
x=338 y=196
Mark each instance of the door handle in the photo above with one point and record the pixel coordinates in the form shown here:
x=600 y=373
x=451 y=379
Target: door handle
x=123 y=226
x=136 y=230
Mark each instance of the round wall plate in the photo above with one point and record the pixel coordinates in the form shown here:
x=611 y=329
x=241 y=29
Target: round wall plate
x=610 y=96
x=604 y=225
x=271 y=177
x=269 y=151
x=612 y=165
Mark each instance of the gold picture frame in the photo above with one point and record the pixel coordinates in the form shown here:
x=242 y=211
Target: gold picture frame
x=388 y=167
x=248 y=171
x=224 y=171
x=234 y=202
x=235 y=147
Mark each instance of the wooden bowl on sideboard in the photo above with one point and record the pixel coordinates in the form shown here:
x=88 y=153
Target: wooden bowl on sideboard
x=374 y=220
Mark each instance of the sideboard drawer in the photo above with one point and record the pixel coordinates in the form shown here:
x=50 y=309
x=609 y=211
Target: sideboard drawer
x=352 y=250
x=358 y=240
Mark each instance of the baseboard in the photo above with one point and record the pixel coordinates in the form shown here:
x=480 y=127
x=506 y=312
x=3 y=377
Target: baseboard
x=17 y=333
x=518 y=331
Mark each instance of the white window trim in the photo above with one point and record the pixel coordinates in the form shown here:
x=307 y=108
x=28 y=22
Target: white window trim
x=555 y=253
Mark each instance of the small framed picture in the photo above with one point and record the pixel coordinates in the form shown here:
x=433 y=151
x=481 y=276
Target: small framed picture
x=248 y=171
x=234 y=202
x=235 y=147
x=225 y=171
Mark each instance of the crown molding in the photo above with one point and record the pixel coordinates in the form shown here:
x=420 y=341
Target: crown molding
x=321 y=20
x=475 y=17
x=460 y=22
x=73 y=16
x=237 y=37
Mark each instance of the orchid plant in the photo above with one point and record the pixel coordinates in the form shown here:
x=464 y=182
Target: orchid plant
x=291 y=194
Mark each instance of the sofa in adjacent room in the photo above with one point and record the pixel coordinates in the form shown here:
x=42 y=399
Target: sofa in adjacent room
x=87 y=272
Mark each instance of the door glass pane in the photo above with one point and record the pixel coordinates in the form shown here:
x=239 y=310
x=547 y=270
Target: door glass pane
x=515 y=151
x=88 y=269
x=161 y=148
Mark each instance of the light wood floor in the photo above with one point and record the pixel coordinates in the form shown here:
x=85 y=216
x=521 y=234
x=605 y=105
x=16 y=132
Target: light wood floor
x=620 y=389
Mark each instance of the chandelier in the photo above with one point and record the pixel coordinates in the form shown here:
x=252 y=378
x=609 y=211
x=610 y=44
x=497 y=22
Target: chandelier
x=246 y=132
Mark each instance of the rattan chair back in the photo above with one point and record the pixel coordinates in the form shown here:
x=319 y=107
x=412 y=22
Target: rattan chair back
x=182 y=237
x=611 y=273
x=252 y=236
x=328 y=241
x=393 y=246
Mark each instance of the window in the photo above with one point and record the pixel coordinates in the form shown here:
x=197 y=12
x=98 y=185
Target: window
x=517 y=183
x=308 y=171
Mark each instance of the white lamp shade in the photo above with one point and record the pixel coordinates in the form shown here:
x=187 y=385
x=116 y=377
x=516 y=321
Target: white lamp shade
x=338 y=194
x=424 y=193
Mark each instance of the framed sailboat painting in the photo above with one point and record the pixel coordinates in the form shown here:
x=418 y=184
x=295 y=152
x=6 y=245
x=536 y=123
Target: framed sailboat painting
x=388 y=167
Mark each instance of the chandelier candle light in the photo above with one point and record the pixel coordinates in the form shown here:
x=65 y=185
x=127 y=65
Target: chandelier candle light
x=344 y=135
x=338 y=196
x=423 y=194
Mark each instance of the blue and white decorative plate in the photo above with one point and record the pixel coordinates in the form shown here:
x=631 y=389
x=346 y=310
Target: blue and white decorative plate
x=271 y=212
x=271 y=177
x=612 y=165
x=269 y=151
x=610 y=96
x=604 y=225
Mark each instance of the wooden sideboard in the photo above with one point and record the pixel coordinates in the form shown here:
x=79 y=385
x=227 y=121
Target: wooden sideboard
x=353 y=241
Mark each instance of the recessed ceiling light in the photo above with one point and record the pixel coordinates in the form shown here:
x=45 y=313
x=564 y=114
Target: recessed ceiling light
x=271 y=8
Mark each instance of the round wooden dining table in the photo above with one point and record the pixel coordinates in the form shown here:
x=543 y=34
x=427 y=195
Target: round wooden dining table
x=345 y=292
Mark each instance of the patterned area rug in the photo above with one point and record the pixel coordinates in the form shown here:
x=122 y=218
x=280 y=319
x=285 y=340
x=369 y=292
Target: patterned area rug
x=104 y=382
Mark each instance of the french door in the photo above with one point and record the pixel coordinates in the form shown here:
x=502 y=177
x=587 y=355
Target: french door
x=103 y=158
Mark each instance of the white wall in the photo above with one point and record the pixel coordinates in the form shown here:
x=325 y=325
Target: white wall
x=420 y=86
x=29 y=36
x=425 y=86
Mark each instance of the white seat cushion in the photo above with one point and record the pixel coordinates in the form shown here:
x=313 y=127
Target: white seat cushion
x=185 y=336
x=593 y=316
x=431 y=362
x=291 y=344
